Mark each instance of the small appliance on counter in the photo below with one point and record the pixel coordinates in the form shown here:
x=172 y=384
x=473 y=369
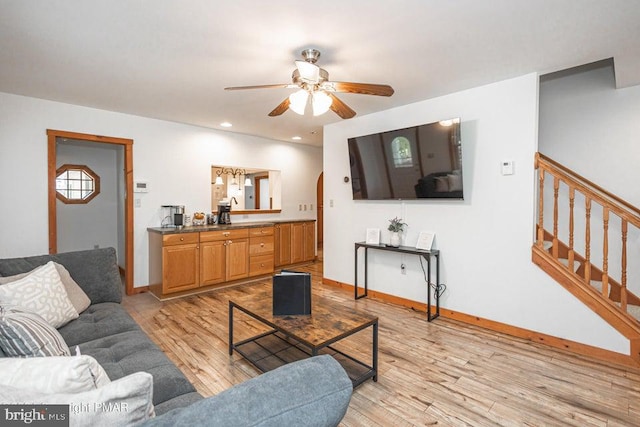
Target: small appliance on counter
x=224 y=213
x=175 y=218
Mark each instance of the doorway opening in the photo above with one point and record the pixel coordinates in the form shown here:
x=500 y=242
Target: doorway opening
x=123 y=192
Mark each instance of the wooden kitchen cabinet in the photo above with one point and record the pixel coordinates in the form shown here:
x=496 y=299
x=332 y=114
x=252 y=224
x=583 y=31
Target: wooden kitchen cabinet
x=282 y=243
x=309 y=252
x=261 y=251
x=303 y=242
x=180 y=262
x=224 y=255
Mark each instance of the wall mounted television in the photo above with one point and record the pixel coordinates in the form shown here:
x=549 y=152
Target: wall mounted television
x=419 y=162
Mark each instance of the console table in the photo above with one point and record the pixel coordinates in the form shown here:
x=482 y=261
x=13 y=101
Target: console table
x=427 y=255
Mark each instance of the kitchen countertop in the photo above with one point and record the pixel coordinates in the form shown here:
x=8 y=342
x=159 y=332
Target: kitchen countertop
x=200 y=228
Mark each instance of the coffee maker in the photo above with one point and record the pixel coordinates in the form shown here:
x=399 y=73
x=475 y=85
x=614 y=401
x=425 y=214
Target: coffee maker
x=224 y=213
x=175 y=217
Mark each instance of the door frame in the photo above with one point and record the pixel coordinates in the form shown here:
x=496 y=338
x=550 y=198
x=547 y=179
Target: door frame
x=128 y=199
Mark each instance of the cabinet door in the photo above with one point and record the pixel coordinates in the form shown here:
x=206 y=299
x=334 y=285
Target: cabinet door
x=282 y=244
x=212 y=262
x=297 y=242
x=237 y=259
x=309 y=241
x=180 y=267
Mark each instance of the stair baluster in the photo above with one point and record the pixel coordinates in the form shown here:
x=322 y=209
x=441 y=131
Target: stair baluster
x=572 y=197
x=587 y=242
x=605 y=252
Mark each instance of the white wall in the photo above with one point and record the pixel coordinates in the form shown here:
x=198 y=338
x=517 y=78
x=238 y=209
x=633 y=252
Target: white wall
x=593 y=128
x=175 y=159
x=83 y=226
x=485 y=240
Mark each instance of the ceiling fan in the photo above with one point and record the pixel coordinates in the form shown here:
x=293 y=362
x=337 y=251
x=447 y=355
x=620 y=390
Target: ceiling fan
x=316 y=88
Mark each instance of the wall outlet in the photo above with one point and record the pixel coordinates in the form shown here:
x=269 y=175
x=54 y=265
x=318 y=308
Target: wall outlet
x=300 y=207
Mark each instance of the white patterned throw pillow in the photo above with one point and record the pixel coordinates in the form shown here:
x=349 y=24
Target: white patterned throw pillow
x=63 y=374
x=23 y=333
x=41 y=292
x=78 y=298
x=124 y=402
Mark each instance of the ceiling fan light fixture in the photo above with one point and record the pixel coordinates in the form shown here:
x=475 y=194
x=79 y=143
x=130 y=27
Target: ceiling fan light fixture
x=309 y=73
x=298 y=101
x=321 y=102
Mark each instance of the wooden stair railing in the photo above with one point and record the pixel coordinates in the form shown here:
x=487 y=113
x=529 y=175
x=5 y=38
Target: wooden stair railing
x=592 y=284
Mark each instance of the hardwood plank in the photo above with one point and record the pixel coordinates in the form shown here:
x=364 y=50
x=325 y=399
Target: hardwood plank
x=430 y=373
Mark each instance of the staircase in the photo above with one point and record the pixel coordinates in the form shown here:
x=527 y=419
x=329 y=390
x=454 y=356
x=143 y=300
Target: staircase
x=580 y=260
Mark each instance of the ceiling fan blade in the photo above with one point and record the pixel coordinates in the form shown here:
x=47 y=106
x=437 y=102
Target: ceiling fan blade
x=362 y=88
x=284 y=106
x=340 y=108
x=281 y=86
x=309 y=72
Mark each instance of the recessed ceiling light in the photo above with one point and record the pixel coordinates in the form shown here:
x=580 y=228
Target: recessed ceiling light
x=226 y=124
x=296 y=138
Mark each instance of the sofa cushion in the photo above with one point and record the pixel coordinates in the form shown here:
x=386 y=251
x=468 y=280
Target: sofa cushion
x=128 y=352
x=78 y=298
x=181 y=401
x=310 y=392
x=61 y=374
x=24 y=333
x=98 y=321
x=95 y=271
x=108 y=333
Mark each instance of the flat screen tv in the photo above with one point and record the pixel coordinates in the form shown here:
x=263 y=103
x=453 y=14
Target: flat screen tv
x=419 y=162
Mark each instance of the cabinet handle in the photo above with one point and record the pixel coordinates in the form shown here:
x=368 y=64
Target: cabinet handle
x=229 y=241
x=182 y=239
x=226 y=233
x=262 y=265
x=262 y=245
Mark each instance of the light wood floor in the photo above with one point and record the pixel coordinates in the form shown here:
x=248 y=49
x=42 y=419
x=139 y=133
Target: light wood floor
x=441 y=373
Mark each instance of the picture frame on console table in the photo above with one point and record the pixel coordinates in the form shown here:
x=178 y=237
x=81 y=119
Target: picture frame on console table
x=425 y=240
x=373 y=236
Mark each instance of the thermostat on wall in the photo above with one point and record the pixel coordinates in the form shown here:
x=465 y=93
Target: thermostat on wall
x=140 y=187
x=507 y=167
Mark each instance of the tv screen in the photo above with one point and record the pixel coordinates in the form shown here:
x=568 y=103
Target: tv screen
x=420 y=162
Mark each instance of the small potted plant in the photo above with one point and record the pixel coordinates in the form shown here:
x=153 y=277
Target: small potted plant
x=396 y=226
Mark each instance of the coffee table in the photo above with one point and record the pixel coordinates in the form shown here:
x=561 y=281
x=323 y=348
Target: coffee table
x=292 y=338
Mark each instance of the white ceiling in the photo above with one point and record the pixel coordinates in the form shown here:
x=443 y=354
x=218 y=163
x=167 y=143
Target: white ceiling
x=171 y=59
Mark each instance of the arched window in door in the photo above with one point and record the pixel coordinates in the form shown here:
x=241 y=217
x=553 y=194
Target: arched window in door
x=401 y=151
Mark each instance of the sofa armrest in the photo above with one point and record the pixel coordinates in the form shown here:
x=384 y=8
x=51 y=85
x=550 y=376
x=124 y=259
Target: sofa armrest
x=311 y=392
x=95 y=271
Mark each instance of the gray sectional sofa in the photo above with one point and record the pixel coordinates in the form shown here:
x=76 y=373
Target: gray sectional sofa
x=315 y=391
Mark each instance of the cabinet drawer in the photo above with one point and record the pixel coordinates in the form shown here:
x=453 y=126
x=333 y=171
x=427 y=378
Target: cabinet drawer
x=179 y=239
x=261 y=231
x=260 y=264
x=261 y=245
x=236 y=233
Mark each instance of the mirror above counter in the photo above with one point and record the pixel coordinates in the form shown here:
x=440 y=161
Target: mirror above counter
x=250 y=190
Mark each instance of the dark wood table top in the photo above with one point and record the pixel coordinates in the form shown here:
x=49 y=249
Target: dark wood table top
x=327 y=323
